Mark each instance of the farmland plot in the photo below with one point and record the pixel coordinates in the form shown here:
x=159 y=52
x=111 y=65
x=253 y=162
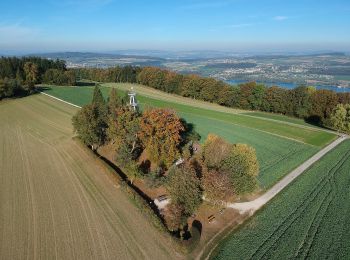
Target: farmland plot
x=56 y=200
x=309 y=219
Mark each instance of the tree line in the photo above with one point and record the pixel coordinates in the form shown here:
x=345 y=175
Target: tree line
x=162 y=149
x=306 y=102
x=18 y=76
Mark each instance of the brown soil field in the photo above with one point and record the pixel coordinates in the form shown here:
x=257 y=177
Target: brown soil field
x=56 y=201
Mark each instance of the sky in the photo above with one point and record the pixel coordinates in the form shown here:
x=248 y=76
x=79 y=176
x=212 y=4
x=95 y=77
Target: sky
x=230 y=25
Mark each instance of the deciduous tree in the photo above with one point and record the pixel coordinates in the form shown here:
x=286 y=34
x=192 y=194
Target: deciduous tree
x=340 y=118
x=217 y=185
x=215 y=150
x=161 y=135
x=184 y=189
x=242 y=168
x=31 y=74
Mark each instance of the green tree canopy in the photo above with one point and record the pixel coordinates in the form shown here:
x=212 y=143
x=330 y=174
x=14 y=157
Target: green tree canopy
x=340 y=118
x=89 y=126
x=31 y=75
x=215 y=150
x=242 y=168
x=123 y=129
x=183 y=186
x=114 y=101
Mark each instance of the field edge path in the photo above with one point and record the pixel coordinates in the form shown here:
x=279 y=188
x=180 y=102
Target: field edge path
x=252 y=206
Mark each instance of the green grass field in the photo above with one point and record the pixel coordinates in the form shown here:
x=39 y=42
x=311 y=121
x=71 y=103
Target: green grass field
x=278 y=117
x=280 y=147
x=309 y=219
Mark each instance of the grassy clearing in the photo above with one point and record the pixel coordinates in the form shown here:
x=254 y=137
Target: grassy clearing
x=277 y=156
x=56 y=199
x=309 y=219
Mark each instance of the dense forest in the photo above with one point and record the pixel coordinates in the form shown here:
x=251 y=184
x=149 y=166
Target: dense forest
x=315 y=106
x=19 y=76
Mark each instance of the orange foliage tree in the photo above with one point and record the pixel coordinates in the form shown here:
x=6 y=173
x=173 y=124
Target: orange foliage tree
x=161 y=135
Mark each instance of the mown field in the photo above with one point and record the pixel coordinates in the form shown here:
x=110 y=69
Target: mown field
x=56 y=200
x=278 y=117
x=280 y=147
x=309 y=219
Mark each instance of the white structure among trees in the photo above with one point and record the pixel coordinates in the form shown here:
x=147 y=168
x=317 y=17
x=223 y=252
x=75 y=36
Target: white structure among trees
x=132 y=102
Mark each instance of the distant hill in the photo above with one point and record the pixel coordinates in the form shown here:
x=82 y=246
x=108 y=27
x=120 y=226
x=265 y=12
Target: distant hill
x=87 y=55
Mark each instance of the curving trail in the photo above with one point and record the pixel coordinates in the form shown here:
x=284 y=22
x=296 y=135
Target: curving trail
x=252 y=206
x=56 y=200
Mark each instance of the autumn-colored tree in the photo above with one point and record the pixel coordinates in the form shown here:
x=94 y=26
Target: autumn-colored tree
x=245 y=92
x=123 y=133
x=174 y=217
x=114 y=102
x=172 y=82
x=242 y=168
x=340 y=118
x=322 y=104
x=31 y=75
x=344 y=98
x=161 y=135
x=217 y=185
x=191 y=86
x=210 y=89
x=215 y=150
x=229 y=96
x=273 y=100
x=184 y=189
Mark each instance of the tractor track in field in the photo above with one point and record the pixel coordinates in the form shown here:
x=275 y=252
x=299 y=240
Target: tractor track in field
x=56 y=201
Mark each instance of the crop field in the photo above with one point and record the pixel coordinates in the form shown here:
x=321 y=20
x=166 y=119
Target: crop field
x=278 y=154
x=278 y=117
x=57 y=201
x=309 y=219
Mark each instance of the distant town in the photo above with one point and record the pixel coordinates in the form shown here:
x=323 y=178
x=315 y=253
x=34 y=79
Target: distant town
x=327 y=69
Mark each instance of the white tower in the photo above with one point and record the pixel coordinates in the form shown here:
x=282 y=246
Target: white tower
x=132 y=102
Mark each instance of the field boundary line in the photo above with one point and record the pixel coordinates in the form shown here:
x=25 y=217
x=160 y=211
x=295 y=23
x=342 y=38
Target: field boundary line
x=312 y=128
x=60 y=99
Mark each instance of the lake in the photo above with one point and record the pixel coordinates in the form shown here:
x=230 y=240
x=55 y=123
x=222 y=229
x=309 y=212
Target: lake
x=289 y=85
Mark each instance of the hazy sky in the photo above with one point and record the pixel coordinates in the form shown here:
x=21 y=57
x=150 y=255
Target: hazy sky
x=239 y=25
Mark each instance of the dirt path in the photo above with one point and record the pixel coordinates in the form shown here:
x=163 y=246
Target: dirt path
x=252 y=206
x=56 y=200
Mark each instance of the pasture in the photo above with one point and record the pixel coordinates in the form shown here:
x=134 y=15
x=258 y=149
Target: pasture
x=309 y=219
x=57 y=201
x=280 y=147
x=278 y=117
